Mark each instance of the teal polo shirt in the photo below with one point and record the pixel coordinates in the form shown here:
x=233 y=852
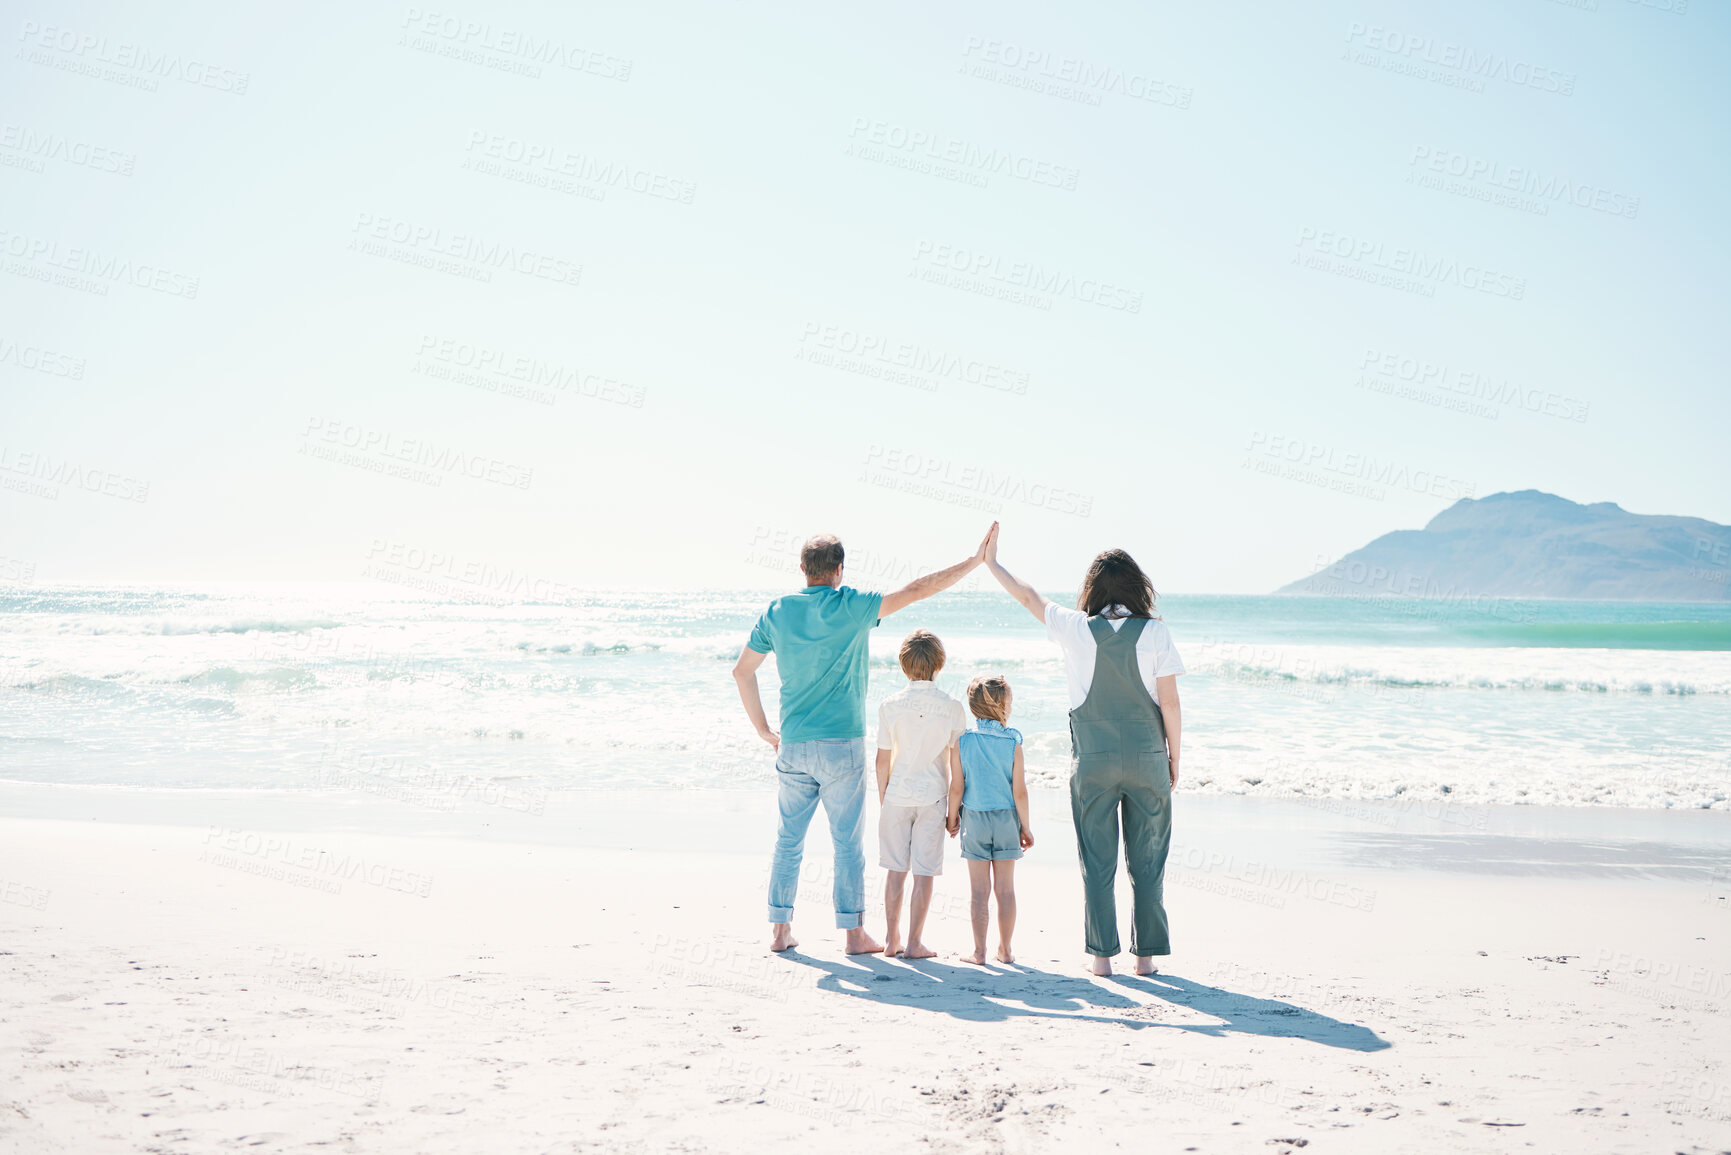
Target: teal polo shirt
x=818 y=637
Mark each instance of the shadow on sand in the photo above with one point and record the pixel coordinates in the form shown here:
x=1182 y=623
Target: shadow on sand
x=1000 y=993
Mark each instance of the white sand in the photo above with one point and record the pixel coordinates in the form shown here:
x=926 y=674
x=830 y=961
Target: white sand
x=159 y=997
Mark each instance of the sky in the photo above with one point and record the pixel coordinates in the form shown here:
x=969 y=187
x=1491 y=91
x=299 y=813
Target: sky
x=642 y=295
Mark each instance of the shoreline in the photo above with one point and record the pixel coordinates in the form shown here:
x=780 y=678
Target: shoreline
x=1320 y=833
x=282 y=988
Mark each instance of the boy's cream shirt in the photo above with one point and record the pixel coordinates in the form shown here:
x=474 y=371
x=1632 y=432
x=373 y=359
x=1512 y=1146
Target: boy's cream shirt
x=919 y=725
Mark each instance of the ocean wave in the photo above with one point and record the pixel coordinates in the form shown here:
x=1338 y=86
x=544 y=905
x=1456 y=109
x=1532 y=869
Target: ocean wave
x=1466 y=681
x=591 y=649
x=281 y=678
x=75 y=685
x=170 y=629
x=1658 y=673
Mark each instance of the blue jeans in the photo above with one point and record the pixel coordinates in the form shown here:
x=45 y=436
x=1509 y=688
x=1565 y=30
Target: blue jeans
x=831 y=771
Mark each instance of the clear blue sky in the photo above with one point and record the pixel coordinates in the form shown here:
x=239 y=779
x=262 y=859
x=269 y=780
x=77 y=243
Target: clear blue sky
x=1195 y=160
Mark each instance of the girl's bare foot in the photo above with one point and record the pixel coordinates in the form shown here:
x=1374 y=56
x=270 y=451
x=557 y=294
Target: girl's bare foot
x=784 y=939
x=1101 y=966
x=1004 y=955
x=1145 y=967
x=919 y=950
x=978 y=958
x=892 y=948
x=859 y=942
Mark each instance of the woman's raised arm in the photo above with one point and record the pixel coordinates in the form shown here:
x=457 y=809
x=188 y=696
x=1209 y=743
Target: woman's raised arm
x=1013 y=585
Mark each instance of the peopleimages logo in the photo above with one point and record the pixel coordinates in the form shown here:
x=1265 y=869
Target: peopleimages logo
x=536 y=157
x=426 y=244
x=1024 y=275
x=1413 y=51
x=433 y=31
x=335 y=440
x=40 y=360
x=1521 y=179
x=1358 y=467
x=928 y=475
x=1068 y=77
x=42 y=254
x=1470 y=383
x=44 y=146
x=43 y=467
x=887 y=137
x=874 y=354
x=1421 y=267
x=84 y=51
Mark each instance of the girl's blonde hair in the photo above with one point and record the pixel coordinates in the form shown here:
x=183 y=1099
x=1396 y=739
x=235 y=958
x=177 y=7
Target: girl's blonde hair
x=988 y=697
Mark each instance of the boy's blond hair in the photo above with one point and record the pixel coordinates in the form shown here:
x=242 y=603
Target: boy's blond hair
x=922 y=656
x=987 y=695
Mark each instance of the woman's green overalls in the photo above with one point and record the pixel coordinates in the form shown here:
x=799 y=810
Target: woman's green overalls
x=1119 y=744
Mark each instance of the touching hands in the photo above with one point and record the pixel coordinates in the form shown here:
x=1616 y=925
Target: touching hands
x=953 y=824
x=988 y=551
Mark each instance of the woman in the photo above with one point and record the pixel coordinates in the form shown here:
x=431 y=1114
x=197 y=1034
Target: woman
x=1124 y=726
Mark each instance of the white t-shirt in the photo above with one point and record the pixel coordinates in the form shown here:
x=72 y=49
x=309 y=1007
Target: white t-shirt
x=919 y=725
x=1155 y=655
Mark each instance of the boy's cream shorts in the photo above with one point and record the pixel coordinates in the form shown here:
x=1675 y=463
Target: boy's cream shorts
x=911 y=838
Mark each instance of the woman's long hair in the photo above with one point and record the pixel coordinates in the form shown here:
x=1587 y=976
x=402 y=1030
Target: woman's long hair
x=1114 y=579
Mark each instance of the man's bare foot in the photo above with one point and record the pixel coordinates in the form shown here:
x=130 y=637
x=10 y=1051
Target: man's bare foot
x=1004 y=955
x=919 y=950
x=1146 y=967
x=859 y=942
x=978 y=958
x=783 y=939
x=1101 y=966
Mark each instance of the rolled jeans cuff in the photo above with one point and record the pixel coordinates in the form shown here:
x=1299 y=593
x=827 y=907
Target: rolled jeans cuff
x=849 y=921
x=781 y=914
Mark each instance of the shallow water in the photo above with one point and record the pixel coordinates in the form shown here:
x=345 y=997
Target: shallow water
x=437 y=699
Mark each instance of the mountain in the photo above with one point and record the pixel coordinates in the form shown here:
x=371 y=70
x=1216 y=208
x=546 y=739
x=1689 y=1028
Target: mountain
x=1537 y=545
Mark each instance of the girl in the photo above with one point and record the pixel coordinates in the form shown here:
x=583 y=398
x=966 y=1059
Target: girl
x=989 y=809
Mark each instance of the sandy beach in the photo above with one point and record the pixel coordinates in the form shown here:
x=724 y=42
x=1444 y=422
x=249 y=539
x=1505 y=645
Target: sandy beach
x=1345 y=979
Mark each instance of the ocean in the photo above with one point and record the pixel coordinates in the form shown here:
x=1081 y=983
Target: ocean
x=440 y=700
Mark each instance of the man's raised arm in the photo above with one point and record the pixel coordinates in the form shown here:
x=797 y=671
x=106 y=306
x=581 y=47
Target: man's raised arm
x=924 y=587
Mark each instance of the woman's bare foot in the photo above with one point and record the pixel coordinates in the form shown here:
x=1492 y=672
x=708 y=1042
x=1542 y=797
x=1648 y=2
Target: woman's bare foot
x=978 y=958
x=1101 y=966
x=892 y=948
x=1004 y=955
x=859 y=942
x=917 y=949
x=1145 y=966
x=783 y=939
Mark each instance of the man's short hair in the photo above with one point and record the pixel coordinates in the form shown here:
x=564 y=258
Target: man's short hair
x=922 y=656
x=821 y=556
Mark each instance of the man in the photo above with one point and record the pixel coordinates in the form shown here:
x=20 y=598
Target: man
x=818 y=637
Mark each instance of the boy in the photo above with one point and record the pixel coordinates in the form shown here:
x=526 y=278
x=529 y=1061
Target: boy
x=917 y=732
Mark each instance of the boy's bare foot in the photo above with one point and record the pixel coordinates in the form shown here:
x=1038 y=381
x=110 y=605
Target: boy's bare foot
x=978 y=958
x=1146 y=967
x=892 y=947
x=1101 y=966
x=859 y=942
x=919 y=950
x=1004 y=955
x=783 y=939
